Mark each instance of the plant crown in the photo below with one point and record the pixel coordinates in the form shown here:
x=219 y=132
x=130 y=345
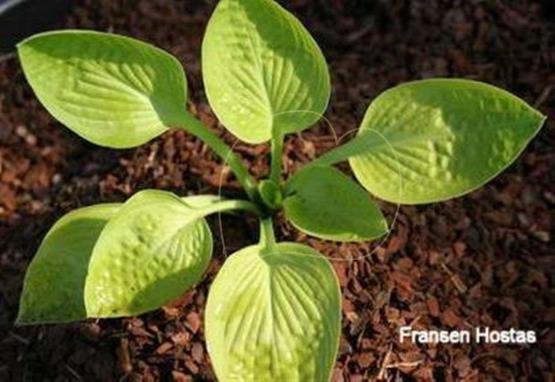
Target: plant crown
x=274 y=309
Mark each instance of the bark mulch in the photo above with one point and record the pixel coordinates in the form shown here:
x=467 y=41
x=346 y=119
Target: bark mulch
x=482 y=260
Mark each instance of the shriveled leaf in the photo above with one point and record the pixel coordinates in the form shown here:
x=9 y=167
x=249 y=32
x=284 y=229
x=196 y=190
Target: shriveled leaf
x=111 y=90
x=323 y=202
x=263 y=72
x=55 y=280
x=274 y=315
x=151 y=252
x=441 y=138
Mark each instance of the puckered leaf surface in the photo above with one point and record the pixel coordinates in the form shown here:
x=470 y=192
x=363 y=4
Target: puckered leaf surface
x=274 y=314
x=154 y=249
x=263 y=72
x=437 y=139
x=112 y=90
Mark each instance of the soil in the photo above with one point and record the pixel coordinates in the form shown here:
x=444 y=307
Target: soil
x=486 y=259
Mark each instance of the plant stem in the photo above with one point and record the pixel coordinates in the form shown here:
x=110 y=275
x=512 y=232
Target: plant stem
x=267 y=236
x=193 y=126
x=360 y=144
x=276 y=158
x=230 y=205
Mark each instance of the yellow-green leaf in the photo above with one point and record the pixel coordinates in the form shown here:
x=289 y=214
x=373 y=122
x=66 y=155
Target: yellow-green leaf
x=274 y=314
x=437 y=139
x=55 y=280
x=112 y=90
x=263 y=72
x=155 y=248
x=323 y=202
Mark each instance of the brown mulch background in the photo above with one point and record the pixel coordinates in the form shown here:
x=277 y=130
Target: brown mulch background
x=483 y=260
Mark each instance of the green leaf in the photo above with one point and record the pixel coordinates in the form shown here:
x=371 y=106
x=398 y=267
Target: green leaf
x=323 y=202
x=274 y=314
x=55 y=280
x=441 y=138
x=111 y=90
x=263 y=72
x=151 y=252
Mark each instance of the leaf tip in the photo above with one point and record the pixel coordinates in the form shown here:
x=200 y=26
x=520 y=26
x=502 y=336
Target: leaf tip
x=542 y=118
x=22 y=319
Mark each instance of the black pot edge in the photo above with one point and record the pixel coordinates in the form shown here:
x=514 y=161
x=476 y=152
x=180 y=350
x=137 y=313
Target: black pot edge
x=22 y=18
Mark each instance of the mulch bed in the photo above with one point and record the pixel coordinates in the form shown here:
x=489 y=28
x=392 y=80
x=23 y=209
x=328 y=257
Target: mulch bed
x=482 y=260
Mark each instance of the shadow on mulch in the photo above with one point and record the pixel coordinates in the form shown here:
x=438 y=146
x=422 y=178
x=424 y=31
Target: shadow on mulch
x=482 y=260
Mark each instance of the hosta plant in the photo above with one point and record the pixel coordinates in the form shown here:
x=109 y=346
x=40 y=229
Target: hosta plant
x=273 y=311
